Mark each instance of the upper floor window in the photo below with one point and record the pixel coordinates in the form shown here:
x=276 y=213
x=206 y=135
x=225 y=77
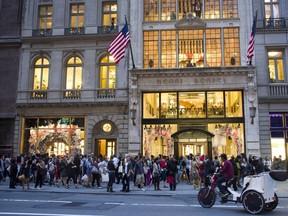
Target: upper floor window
x=191 y=48
x=109 y=14
x=275 y=66
x=271 y=9
x=107 y=72
x=77 y=15
x=169 y=10
x=41 y=74
x=45 y=17
x=74 y=73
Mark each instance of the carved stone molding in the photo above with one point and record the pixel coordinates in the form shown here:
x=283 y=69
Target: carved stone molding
x=190 y=22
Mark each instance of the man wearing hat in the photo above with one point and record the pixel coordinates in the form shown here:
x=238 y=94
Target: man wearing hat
x=227 y=172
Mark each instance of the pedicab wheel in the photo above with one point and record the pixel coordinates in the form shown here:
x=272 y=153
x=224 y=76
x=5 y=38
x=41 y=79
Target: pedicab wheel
x=206 y=197
x=272 y=205
x=253 y=202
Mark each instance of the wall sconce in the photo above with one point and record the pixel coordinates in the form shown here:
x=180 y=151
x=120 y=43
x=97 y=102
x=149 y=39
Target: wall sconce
x=133 y=115
x=252 y=113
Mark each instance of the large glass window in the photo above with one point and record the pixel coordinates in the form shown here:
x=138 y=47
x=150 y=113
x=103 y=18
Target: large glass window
x=231 y=47
x=215 y=104
x=275 y=66
x=59 y=136
x=45 y=17
x=171 y=10
x=212 y=9
x=192 y=105
x=151 y=105
x=271 y=9
x=107 y=72
x=77 y=15
x=41 y=74
x=168 y=49
x=213 y=47
x=74 y=73
x=211 y=104
x=190 y=46
x=230 y=8
x=150 y=49
x=109 y=14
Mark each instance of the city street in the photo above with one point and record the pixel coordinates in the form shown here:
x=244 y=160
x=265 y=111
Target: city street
x=52 y=204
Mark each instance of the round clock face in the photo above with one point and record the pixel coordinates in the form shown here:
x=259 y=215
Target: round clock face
x=107 y=127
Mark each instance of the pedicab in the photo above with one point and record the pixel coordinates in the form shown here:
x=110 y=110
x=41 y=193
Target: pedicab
x=257 y=195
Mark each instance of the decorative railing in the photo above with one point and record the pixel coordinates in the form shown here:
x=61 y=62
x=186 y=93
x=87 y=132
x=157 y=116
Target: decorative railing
x=77 y=95
x=278 y=90
x=72 y=94
x=75 y=31
x=42 y=32
x=106 y=93
x=274 y=23
x=107 y=29
x=38 y=95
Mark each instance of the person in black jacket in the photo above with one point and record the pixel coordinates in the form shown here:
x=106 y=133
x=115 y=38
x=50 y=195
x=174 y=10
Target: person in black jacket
x=207 y=170
x=13 y=173
x=171 y=171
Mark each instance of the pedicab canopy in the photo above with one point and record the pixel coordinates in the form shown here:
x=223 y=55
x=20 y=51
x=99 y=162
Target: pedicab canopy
x=279 y=175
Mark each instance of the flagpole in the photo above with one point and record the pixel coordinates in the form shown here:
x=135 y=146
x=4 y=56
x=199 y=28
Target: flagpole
x=133 y=64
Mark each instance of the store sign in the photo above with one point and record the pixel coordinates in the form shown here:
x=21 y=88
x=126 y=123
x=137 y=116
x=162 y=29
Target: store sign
x=201 y=80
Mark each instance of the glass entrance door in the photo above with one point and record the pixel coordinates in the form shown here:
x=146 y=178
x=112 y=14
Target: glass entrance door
x=105 y=147
x=185 y=149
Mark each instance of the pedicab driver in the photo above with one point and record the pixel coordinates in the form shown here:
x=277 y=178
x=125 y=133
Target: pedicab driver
x=227 y=172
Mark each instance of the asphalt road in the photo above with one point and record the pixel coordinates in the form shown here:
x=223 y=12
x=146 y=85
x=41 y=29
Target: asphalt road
x=72 y=204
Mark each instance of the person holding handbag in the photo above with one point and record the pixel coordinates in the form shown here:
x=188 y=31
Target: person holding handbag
x=25 y=170
x=127 y=172
x=156 y=172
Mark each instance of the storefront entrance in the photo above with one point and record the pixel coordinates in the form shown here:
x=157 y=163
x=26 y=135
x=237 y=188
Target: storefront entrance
x=192 y=141
x=105 y=147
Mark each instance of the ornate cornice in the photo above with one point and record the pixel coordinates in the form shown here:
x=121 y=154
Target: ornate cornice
x=273 y=100
x=190 y=22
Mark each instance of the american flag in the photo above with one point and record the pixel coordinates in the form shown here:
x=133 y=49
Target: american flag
x=250 y=50
x=118 y=46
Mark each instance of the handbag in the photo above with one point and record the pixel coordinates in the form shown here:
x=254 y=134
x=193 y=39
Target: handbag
x=21 y=177
x=170 y=179
x=84 y=178
x=94 y=170
x=120 y=168
x=105 y=177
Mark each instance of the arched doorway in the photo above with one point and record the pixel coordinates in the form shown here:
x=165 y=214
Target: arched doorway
x=195 y=141
x=105 y=135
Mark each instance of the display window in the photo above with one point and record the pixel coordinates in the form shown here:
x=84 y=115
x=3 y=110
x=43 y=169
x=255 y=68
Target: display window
x=59 y=136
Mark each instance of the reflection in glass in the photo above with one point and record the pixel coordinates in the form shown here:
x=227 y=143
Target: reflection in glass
x=215 y=104
x=151 y=105
x=192 y=105
x=233 y=104
x=169 y=105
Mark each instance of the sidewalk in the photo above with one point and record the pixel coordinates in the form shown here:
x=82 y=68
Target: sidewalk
x=182 y=189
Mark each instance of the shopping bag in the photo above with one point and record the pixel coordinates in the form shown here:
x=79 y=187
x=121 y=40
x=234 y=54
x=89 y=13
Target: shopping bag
x=105 y=177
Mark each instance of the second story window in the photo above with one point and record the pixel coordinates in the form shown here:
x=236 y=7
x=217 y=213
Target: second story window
x=109 y=14
x=74 y=73
x=45 y=17
x=275 y=66
x=107 y=72
x=41 y=74
x=77 y=16
x=271 y=9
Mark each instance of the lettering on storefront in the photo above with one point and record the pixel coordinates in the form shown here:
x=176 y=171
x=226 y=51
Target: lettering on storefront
x=202 y=80
x=208 y=80
x=169 y=81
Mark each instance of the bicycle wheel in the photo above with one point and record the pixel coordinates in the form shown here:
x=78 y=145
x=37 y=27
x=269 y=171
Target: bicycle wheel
x=206 y=197
x=253 y=202
x=272 y=205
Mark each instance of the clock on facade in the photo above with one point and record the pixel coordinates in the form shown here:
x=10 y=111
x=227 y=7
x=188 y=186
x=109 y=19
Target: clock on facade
x=107 y=127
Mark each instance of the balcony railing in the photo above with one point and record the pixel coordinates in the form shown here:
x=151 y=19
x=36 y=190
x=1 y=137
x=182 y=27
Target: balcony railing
x=75 y=95
x=38 y=95
x=278 y=90
x=75 y=31
x=42 y=32
x=275 y=23
x=107 y=29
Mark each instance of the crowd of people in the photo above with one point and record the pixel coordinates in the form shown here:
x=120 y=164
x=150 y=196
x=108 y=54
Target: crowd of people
x=92 y=171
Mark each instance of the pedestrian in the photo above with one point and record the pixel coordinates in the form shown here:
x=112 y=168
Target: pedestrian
x=171 y=172
x=156 y=173
x=111 y=167
x=13 y=173
x=39 y=176
x=25 y=170
x=2 y=167
x=71 y=168
x=207 y=170
x=52 y=171
x=127 y=171
x=139 y=172
x=96 y=174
